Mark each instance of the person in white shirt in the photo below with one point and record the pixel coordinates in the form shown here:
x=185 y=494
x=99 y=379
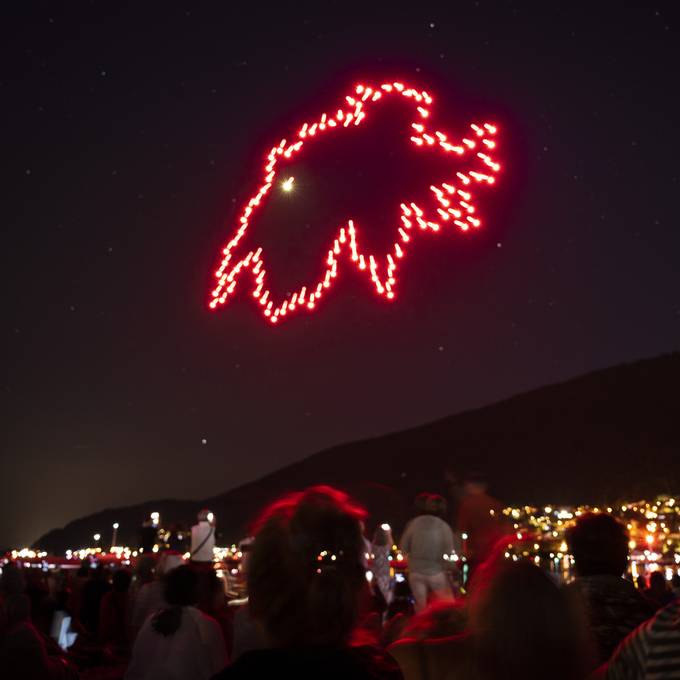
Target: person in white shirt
x=203 y=537
x=426 y=539
x=178 y=642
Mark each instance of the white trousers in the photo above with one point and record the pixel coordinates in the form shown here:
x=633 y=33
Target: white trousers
x=424 y=586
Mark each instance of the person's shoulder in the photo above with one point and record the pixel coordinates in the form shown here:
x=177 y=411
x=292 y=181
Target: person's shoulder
x=202 y=618
x=667 y=619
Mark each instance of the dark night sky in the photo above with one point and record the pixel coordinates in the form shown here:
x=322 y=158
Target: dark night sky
x=132 y=135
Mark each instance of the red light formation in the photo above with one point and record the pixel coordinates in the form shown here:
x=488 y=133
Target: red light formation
x=452 y=205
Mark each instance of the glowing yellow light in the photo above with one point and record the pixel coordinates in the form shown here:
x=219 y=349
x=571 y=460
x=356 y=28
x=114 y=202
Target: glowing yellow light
x=287 y=185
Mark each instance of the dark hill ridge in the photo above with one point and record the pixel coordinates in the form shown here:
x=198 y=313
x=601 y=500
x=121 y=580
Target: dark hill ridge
x=607 y=435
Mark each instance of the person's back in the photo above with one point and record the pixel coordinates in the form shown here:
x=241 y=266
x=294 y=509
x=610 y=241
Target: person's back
x=113 y=615
x=479 y=517
x=675 y=586
x=93 y=591
x=523 y=625
x=613 y=607
x=178 y=642
x=194 y=650
x=426 y=540
x=659 y=592
x=651 y=651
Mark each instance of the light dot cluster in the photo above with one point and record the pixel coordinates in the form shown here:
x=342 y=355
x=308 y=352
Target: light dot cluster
x=452 y=204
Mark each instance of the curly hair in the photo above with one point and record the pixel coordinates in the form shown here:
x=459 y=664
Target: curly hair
x=305 y=572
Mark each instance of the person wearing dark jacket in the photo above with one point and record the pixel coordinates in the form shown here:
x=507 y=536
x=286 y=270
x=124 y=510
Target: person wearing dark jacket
x=613 y=607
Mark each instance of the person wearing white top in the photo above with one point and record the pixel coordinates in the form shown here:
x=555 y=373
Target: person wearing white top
x=179 y=642
x=426 y=539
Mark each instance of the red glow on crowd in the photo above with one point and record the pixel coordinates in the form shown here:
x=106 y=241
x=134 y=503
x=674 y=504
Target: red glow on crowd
x=452 y=205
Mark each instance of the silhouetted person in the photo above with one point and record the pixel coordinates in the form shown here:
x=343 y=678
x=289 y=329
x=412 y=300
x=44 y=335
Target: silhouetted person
x=675 y=585
x=480 y=517
x=113 y=615
x=381 y=547
x=149 y=598
x=93 y=591
x=520 y=625
x=659 y=592
x=641 y=583
x=179 y=641
x=426 y=539
x=612 y=605
x=523 y=626
x=306 y=582
x=24 y=652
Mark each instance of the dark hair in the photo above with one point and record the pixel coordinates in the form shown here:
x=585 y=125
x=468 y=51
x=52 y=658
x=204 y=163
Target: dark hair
x=121 y=580
x=12 y=581
x=181 y=590
x=421 y=502
x=181 y=586
x=437 y=505
x=305 y=572
x=675 y=581
x=523 y=624
x=657 y=581
x=599 y=544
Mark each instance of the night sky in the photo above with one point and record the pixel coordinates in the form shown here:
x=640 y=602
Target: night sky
x=131 y=138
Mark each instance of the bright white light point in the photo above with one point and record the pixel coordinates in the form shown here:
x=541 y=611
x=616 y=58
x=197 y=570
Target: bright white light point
x=204 y=441
x=97 y=537
x=385 y=527
x=115 y=526
x=287 y=185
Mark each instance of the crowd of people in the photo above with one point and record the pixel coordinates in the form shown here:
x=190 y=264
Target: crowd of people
x=323 y=601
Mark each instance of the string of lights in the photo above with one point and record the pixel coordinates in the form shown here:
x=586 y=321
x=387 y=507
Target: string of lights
x=453 y=204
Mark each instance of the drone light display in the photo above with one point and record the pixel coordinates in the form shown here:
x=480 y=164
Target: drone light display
x=452 y=205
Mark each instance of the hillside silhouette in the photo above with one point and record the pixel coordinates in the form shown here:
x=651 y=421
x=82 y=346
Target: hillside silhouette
x=604 y=436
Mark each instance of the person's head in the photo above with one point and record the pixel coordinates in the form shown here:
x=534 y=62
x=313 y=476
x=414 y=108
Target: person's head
x=181 y=587
x=522 y=624
x=305 y=571
x=675 y=581
x=121 y=580
x=657 y=582
x=475 y=483
x=84 y=568
x=382 y=535
x=145 y=568
x=437 y=505
x=599 y=545
x=12 y=581
x=421 y=503
x=167 y=562
x=641 y=582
